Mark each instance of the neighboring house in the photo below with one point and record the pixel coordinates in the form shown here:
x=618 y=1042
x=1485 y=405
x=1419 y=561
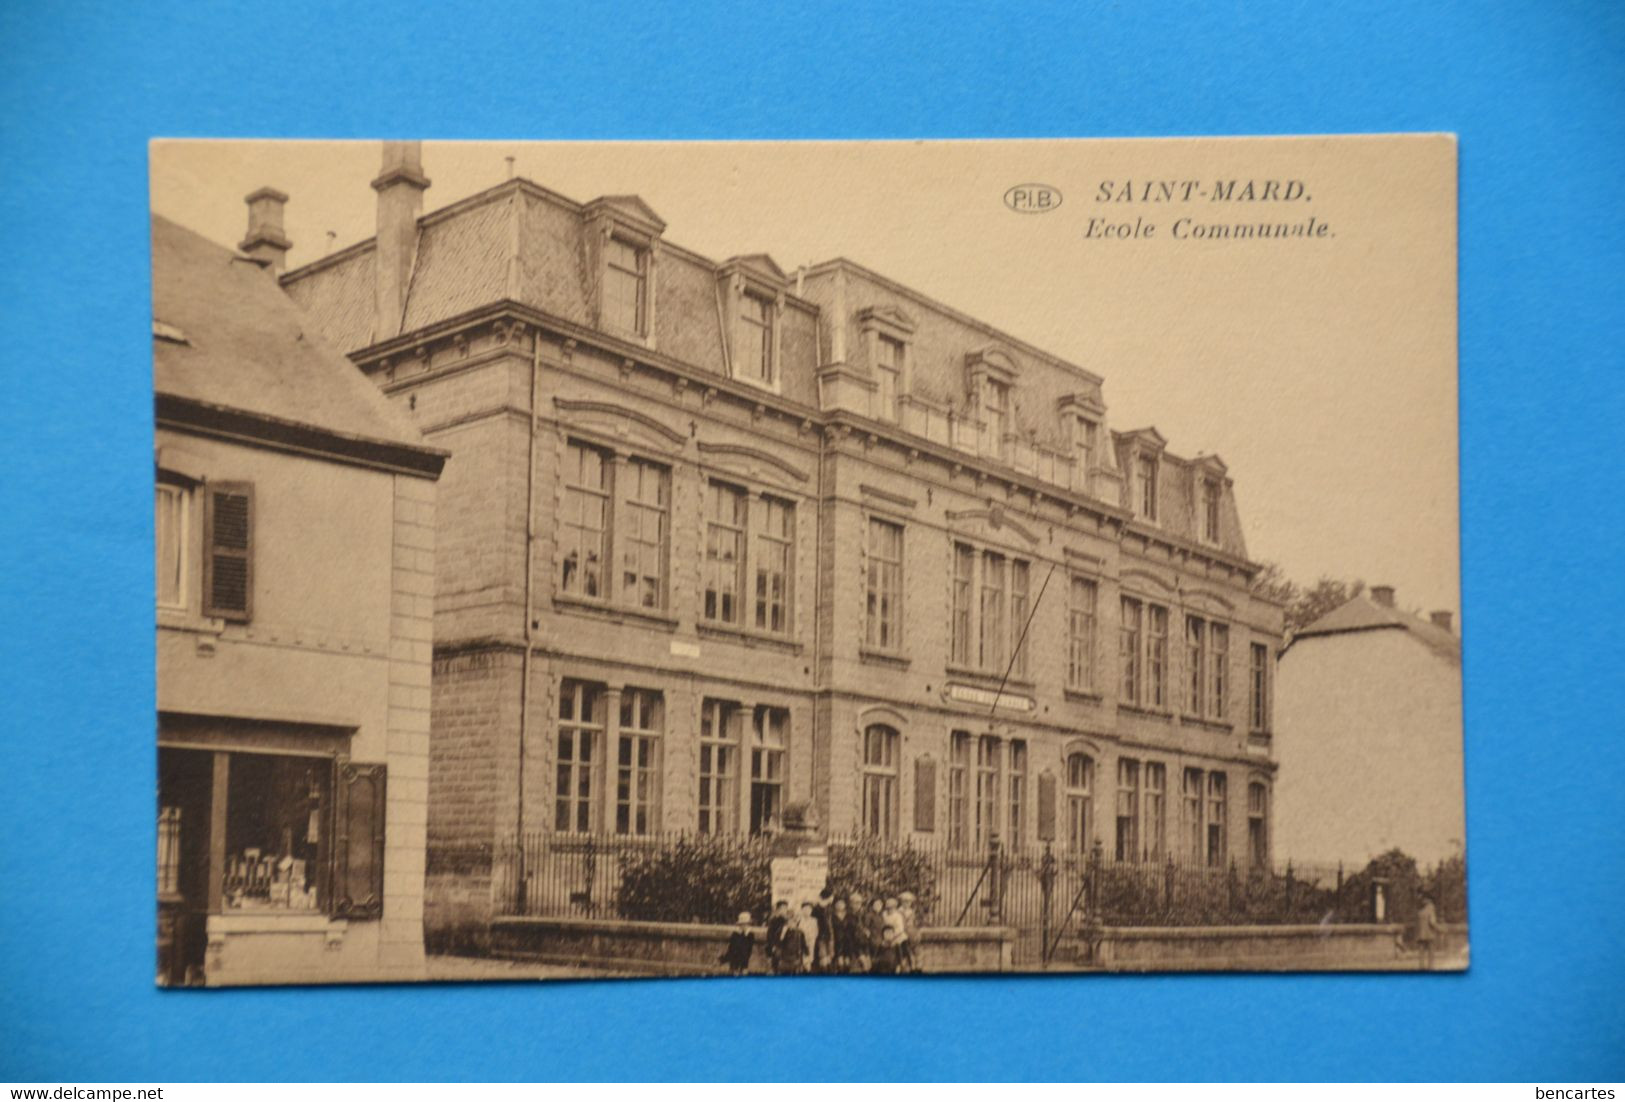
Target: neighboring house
x=294 y=531
x=1368 y=712
x=718 y=537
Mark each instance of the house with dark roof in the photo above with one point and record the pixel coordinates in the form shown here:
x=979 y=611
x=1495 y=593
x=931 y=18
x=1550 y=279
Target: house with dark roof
x=1368 y=708
x=719 y=537
x=294 y=532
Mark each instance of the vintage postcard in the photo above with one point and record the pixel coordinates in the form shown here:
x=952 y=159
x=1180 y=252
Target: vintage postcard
x=608 y=559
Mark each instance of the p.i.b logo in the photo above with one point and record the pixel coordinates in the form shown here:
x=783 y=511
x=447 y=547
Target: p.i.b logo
x=1032 y=198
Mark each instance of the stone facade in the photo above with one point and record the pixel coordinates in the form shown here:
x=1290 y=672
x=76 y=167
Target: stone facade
x=620 y=411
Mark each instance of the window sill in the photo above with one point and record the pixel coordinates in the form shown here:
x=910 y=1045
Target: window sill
x=748 y=636
x=883 y=658
x=180 y=619
x=1260 y=738
x=269 y=921
x=618 y=613
x=1158 y=714
x=1209 y=724
x=1084 y=696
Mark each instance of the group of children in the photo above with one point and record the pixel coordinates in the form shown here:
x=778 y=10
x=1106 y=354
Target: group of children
x=833 y=936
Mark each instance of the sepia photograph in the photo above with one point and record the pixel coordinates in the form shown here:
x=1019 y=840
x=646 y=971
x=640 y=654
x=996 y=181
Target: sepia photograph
x=614 y=559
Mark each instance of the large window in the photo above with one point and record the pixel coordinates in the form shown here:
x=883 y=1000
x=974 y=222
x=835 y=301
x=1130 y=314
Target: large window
x=1259 y=667
x=170 y=529
x=964 y=584
x=774 y=540
x=626 y=277
x=724 y=554
x=1080 y=666
x=1191 y=787
x=1155 y=798
x=888 y=376
x=990 y=652
x=883 y=622
x=878 y=796
x=584 y=522
x=1258 y=817
x=1207 y=663
x=767 y=741
x=987 y=790
x=1156 y=656
x=719 y=766
x=752 y=539
x=1217 y=812
x=1130 y=637
x=1080 y=783
x=275 y=810
x=1017 y=801
x=1218 y=673
x=1142 y=651
x=637 y=762
x=1128 y=810
x=959 y=752
x=991 y=599
x=593 y=482
x=580 y=734
x=755 y=359
x=646 y=505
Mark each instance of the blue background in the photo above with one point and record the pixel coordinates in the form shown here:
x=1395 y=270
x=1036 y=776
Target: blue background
x=1535 y=92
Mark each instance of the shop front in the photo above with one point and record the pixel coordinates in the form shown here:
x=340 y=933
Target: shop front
x=270 y=849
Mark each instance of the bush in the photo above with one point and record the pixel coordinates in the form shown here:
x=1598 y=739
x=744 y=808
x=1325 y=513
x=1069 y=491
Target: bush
x=697 y=878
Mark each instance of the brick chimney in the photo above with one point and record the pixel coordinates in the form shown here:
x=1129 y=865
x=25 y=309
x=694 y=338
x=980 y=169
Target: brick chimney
x=265 y=241
x=1442 y=619
x=1383 y=595
x=400 y=186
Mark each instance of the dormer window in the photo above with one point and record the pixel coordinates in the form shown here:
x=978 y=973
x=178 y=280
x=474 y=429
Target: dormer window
x=1145 y=487
x=990 y=373
x=886 y=334
x=626 y=287
x=889 y=353
x=623 y=253
x=756 y=322
x=994 y=399
x=753 y=291
x=1085 y=439
x=1212 y=497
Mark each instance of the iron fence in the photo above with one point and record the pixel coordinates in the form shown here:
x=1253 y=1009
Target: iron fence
x=1045 y=895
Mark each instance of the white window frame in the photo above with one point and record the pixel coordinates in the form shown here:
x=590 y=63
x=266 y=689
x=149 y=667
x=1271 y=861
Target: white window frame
x=180 y=495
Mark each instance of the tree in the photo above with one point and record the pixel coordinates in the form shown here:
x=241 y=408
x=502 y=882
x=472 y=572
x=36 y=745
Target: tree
x=1303 y=606
x=1313 y=603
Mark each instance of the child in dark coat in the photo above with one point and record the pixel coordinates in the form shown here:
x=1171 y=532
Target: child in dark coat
x=740 y=944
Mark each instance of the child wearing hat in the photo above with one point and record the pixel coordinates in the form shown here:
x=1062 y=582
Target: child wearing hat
x=740 y=944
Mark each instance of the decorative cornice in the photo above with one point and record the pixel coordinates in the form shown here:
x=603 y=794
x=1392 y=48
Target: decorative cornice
x=753 y=453
x=609 y=409
x=996 y=517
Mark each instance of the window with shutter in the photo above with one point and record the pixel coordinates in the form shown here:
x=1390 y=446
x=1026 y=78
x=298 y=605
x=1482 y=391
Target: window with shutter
x=925 y=795
x=228 y=559
x=358 y=873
